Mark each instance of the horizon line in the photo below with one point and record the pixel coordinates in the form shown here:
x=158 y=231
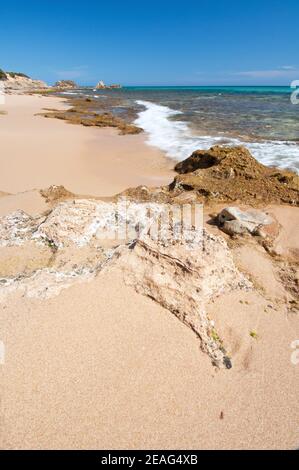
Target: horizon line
x=192 y=86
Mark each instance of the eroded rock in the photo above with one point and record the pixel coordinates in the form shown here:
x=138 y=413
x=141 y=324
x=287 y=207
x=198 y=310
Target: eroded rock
x=183 y=276
x=182 y=271
x=17 y=228
x=233 y=174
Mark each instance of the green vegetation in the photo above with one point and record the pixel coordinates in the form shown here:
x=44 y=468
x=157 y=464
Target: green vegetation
x=254 y=335
x=215 y=336
x=51 y=245
x=17 y=74
x=3 y=75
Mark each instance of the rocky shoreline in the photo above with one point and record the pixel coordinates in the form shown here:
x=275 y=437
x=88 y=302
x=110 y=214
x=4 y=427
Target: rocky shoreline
x=225 y=174
x=82 y=112
x=70 y=241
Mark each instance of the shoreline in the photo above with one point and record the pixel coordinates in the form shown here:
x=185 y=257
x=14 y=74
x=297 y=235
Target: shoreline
x=91 y=161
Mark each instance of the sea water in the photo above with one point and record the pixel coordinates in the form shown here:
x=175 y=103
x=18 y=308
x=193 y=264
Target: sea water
x=180 y=120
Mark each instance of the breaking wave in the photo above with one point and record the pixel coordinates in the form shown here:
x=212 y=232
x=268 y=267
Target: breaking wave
x=175 y=138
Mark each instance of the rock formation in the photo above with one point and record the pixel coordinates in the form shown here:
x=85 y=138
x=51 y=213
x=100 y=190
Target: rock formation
x=66 y=84
x=81 y=238
x=83 y=113
x=231 y=174
x=184 y=276
x=101 y=86
x=3 y=75
x=19 y=82
x=78 y=239
x=224 y=174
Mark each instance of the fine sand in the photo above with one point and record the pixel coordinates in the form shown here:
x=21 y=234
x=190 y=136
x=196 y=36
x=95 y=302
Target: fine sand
x=37 y=152
x=100 y=366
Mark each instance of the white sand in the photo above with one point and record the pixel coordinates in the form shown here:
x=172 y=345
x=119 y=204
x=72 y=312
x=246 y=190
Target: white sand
x=37 y=152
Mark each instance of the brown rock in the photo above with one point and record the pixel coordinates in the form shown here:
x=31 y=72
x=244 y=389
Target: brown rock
x=233 y=174
x=54 y=194
x=66 y=84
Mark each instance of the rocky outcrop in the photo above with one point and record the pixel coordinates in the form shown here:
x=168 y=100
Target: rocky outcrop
x=232 y=174
x=80 y=238
x=55 y=194
x=100 y=85
x=66 y=84
x=184 y=276
x=19 y=82
x=82 y=114
x=17 y=228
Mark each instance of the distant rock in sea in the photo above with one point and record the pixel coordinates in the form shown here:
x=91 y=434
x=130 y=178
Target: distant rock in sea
x=101 y=86
x=66 y=84
x=16 y=81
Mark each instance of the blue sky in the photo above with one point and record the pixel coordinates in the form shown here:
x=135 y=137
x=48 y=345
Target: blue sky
x=153 y=43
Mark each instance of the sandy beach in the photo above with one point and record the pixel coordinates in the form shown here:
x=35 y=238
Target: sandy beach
x=98 y=365
x=38 y=152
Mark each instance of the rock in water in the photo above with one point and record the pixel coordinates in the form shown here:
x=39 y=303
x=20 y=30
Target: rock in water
x=101 y=85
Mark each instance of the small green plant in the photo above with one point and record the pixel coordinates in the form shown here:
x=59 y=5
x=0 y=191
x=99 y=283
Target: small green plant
x=215 y=336
x=254 y=335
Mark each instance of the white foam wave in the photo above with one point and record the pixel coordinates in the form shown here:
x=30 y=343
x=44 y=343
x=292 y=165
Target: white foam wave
x=70 y=93
x=177 y=141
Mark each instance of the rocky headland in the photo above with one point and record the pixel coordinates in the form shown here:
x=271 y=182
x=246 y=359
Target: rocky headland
x=65 y=85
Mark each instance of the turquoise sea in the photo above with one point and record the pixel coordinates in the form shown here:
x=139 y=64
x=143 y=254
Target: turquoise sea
x=180 y=120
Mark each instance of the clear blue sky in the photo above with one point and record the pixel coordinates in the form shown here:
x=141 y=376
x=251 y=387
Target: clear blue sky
x=141 y=42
